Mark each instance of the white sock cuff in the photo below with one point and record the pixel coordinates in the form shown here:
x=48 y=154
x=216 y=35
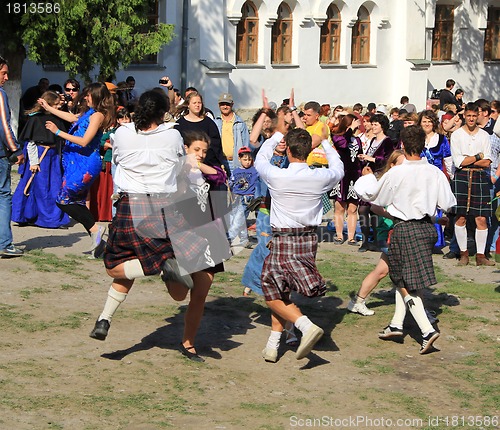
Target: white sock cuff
x=481 y=239
x=275 y=335
x=116 y=295
x=461 y=236
x=133 y=269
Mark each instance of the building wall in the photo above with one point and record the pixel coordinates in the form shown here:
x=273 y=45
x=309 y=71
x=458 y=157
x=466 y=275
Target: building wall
x=400 y=30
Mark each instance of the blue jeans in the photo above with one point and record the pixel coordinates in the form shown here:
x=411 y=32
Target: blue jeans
x=253 y=268
x=5 y=204
x=238 y=218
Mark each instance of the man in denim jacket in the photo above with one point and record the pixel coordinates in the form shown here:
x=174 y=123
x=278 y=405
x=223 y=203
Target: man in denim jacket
x=233 y=131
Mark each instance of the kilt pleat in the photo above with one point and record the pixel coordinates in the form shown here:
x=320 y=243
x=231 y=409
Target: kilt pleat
x=477 y=205
x=291 y=265
x=141 y=233
x=410 y=255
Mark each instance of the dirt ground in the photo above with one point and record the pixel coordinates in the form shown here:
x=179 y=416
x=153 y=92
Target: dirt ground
x=53 y=376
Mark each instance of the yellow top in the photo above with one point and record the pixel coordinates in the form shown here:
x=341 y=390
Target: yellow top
x=228 y=138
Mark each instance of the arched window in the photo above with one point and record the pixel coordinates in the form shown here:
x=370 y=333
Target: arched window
x=360 y=50
x=282 y=36
x=330 y=37
x=492 y=37
x=442 y=35
x=247 y=35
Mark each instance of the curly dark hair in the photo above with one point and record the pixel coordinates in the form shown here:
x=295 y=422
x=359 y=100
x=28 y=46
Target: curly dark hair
x=382 y=120
x=150 y=109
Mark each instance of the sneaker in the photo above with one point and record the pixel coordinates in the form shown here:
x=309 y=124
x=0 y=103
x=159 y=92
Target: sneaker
x=390 y=332
x=171 y=273
x=11 y=251
x=100 y=330
x=427 y=342
x=96 y=238
x=270 y=355
x=359 y=308
x=308 y=341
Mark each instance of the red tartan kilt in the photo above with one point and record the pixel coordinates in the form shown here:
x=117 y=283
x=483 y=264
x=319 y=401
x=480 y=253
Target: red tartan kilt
x=291 y=266
x=124 y=243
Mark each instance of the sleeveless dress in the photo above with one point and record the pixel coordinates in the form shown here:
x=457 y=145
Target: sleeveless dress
x=81 y=165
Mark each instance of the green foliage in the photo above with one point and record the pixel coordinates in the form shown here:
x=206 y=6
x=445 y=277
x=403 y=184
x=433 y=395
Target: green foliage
x=109 y=34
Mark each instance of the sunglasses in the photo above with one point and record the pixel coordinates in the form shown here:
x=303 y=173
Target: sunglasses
x=71 y=90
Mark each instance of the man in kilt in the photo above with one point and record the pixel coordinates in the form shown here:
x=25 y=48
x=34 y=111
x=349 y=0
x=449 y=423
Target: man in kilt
x=471 y=152
x=296 y=211
x=413 y=205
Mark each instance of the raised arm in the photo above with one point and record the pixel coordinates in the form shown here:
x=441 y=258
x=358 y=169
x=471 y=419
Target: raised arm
x=95 y=123
x=65 y=116
x=295 y=115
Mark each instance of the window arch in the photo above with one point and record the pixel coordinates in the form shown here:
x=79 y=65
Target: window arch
x=330 y=37
x=492 y=37
x=360 y=47
x=247 y=35
x=281 y=52
x=442 y=35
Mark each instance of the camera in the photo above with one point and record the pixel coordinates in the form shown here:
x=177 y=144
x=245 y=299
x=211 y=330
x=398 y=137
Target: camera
x=68 y=98
x=163 y=81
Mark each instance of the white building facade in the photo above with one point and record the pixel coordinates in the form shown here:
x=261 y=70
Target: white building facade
x=337 y=52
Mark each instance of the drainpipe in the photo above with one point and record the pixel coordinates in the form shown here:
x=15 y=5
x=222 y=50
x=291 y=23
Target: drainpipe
x=184 y=47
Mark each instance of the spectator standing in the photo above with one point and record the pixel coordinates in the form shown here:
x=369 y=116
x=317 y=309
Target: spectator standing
x=233 y=131
x=9 y=148
x=446 y=96
x=471 y=152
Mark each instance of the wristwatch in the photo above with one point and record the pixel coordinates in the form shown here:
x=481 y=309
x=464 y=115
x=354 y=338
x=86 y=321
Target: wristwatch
x=293 y=108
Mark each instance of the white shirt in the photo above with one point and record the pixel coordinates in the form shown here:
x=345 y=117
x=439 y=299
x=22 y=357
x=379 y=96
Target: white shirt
x=147 y=162
x=411 y=190
x=296 y=191
x=463 y=145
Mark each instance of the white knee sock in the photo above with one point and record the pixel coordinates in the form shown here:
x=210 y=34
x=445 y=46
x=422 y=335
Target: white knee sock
x=114 y=300
x=399 y=312
x=481 y=238
x=303 y=324
x=461 y=235
x=133 y=269
x=274 y=340
x=417 y=310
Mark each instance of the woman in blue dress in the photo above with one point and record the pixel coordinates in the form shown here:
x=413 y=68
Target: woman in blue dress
x=34 y=201
x=437 y=151
x=80 y=155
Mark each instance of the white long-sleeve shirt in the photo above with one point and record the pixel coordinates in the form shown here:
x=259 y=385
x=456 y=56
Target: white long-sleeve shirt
x=463 y=144
x=147 y=161
x=409 y=191
x=296 y=191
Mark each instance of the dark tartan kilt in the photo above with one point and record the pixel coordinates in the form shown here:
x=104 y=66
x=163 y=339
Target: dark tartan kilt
x=480 y=192
x=148 y=241
x=410 y=255
x=291 y=265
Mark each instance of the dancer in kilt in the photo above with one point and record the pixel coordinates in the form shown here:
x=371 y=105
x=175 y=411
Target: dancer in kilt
x=471 y=152
x=149 y=156
x=296 y=211
x=410 y=250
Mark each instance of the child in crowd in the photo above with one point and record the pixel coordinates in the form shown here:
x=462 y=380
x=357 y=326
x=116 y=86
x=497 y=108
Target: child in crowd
x=410 y=250
x=34 y=200
x=243 y=185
